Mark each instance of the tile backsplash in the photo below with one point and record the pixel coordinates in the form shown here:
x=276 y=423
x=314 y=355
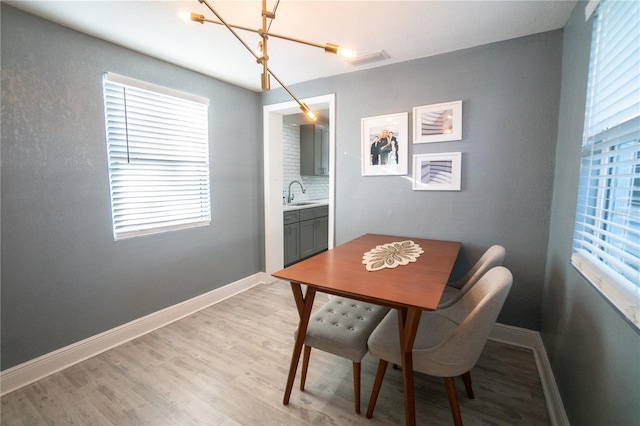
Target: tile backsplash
x=317 y=187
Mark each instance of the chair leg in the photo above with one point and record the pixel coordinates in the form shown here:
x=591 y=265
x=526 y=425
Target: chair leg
x=466 y=378
x=305 y=366
x=453 y=400
x=382 y=367
x=356 y=385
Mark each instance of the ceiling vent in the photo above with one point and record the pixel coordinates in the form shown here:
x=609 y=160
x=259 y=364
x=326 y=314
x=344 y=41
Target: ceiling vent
x=367 y=58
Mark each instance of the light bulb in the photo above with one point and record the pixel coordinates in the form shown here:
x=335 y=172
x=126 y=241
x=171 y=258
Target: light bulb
x=347 y=53
x=305 y=109
x=191 y=16
x=337 y=50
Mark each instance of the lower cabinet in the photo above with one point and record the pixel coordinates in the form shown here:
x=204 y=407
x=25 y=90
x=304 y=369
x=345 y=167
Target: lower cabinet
x=307 y=238
x=291 y=243
x=322 y=233
x=306 y=232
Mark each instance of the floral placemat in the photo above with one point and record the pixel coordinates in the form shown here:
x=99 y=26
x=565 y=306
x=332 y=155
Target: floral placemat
x=392 y=255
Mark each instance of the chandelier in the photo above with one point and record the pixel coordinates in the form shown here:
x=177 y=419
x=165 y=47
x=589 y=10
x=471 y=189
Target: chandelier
x=261 y=55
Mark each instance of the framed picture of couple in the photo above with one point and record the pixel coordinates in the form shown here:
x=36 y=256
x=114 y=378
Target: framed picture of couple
x=385 y=144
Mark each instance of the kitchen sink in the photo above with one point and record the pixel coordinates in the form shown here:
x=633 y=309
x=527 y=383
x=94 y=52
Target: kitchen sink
x=304 y=203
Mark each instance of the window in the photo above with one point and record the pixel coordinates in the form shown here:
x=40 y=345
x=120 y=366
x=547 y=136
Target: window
x=606 y=245
x=158 y=153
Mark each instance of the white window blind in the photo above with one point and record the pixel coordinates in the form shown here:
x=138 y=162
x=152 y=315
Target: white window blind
x=606 y=247
x=158 y=153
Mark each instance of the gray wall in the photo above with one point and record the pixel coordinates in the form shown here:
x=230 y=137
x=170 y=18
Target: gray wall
x=510 y=93
x=594 y=353
x=63 y=277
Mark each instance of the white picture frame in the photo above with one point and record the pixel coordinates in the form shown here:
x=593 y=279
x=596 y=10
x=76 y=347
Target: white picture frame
x=437 y=172
x=438 y=122
x=385 y=159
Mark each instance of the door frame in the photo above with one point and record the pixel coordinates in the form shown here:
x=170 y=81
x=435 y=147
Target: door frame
x=273 y=176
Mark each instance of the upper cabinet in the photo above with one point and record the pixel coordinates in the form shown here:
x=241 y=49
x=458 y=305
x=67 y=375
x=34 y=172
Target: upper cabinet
x=314 y=150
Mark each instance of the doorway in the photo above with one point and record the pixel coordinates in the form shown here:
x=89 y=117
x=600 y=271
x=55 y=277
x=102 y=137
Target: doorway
x=273 y=118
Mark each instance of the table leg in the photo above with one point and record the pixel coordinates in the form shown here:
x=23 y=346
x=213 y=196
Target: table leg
x=298 y=297
x=408 y=320
x=304 y=305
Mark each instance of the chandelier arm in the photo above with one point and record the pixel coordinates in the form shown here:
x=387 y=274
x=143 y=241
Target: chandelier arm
x=206 y=3
x=263 y=60
x=284 y=87
x=240 y=27
x=296 y=40
x=303 y=107
x=266 y=85
x=280 y=36
x=273 y=13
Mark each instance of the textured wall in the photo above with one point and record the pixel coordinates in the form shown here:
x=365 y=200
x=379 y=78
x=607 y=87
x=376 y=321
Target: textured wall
x=510 y=93
x=63 y=277
x=594 y=352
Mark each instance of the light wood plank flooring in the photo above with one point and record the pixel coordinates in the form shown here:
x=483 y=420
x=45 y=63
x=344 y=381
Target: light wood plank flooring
x=228 y=364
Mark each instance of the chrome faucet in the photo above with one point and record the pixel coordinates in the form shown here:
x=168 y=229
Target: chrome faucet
x=290 y=196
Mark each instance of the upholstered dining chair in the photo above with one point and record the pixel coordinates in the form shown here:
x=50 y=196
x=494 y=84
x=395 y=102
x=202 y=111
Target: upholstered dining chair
x=342 y=327
x=448 y=341
x=494 y=256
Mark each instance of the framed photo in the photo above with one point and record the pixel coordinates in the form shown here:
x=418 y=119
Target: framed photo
x=437 y=122
x=385 y=145
x=437 y=172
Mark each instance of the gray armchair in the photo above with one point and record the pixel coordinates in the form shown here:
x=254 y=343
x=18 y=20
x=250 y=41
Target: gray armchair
x=494 y=256
x=448 y=341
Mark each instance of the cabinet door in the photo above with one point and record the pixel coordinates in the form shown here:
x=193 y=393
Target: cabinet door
x=323 y=167
x=322 y=233
x=317 y=152
x=307 y=149
x=314 y=150
x=291 y=243
x=307 y=238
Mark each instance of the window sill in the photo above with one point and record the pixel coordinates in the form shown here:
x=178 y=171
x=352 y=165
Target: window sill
x=623 y=296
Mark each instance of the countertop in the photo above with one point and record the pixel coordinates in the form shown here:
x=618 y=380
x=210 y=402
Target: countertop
x=304 y=204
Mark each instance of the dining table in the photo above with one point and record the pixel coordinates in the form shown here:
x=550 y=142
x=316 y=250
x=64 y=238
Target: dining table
x=404 y=273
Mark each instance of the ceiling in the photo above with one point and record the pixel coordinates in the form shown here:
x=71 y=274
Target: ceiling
x=405 y=30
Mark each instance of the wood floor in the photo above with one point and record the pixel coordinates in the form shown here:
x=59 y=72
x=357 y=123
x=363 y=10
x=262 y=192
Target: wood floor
x=228 y=365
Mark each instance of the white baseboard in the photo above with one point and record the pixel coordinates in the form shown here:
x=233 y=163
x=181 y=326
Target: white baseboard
x=31 y=371
x=45 y=365
x=532 y=340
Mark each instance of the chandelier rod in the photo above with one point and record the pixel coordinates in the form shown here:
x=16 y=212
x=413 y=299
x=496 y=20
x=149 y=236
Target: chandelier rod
x=273 y=14
x=202 y=19
x=230 y=28
x=264 y=58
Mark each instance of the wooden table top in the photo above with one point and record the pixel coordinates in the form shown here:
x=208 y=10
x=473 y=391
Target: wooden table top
x=341 y=271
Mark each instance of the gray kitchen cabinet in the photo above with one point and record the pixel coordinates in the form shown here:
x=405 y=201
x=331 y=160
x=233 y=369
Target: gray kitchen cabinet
x=307 y=238
x=291 y=237
x=311 y=230
x=314 y=150
x=322 y=233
